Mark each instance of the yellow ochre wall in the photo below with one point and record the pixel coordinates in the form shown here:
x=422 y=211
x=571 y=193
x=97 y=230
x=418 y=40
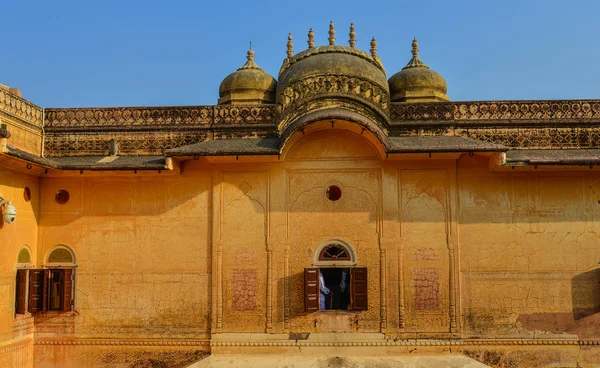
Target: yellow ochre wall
x=16 y=334
x=220 y=248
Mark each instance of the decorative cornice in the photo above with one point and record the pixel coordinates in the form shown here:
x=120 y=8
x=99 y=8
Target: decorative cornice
x=20 y=109
x=122 y=342
x=404 y=342
x=12 y=347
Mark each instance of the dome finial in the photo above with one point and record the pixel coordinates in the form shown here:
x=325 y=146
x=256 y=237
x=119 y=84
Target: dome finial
x=373 y=47
x=352 y=40
x=415 y=62
x=331 y=33
x=311 y=39
x=415 y=47
x=290 y=46
x=250 y=64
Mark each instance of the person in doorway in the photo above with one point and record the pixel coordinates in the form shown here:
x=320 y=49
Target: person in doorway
x=324 y=291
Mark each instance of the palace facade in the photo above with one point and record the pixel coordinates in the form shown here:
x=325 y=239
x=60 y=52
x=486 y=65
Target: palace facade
x=341 y=212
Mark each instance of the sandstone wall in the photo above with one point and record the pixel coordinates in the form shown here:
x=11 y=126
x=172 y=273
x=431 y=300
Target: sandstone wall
x=142 y=246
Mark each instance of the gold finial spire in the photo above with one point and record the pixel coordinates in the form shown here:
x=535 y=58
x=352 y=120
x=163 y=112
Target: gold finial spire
x=311 y=39
x=415 y=62
x=331 y=33
x=373 y=47
x=352 y=40
x=290 y=46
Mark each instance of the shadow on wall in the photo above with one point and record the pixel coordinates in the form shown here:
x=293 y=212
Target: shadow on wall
x=585 y=294
x=583 y=321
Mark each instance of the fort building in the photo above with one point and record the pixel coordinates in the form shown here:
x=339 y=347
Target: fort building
x=341 y=214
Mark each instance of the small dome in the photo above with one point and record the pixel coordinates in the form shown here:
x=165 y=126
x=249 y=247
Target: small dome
x=417 y=83
x=324 y=75
x=248 y=85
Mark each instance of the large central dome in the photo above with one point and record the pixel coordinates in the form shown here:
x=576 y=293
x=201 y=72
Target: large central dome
x=332 y=76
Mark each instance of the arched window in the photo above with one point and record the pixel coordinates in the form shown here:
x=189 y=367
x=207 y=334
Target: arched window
x=52 y=288
x=24 y=256
x=60 y=256
x=22 y=280
x=334 y=253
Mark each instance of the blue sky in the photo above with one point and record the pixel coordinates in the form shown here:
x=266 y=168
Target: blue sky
x=137 y=53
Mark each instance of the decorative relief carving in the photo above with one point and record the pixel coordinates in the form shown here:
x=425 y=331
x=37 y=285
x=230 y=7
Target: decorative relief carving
x=20 y=108
x=334 y=84
x=497 y=110
x=128 y=116
x=522 y=124
x=537 y=138
x=123 y=342
x=411 y=342
x=157 y=116
x=145 y=144
x=243 y=114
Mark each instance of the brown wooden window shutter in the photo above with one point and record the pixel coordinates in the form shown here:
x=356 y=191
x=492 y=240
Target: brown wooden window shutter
x=358 y=289
x=36 y=290
x=45 y=290
x=67 y=290
x=21 y=295
x=311 y=289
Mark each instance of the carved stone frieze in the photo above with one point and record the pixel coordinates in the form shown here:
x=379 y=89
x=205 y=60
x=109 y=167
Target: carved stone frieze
x=557 y=111
x=122 y=342
x=20 y=108
x=537 y=138
x=243 y=114
x=333 y=84
x=408 y=342
x=137 y=144
x=157 y=116
x=564 y=124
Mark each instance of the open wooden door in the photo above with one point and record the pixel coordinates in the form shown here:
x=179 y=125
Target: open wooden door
x=358 y=289
x=311 y=289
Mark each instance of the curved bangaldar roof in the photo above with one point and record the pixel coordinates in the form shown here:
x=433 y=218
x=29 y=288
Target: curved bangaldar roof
x=332 y=77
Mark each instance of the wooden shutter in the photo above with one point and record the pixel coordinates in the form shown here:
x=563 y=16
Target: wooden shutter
x=311 y=289
x=67 y=290
x=21 y=295
x=36 y=290
x=45 y=287
x=358 y=289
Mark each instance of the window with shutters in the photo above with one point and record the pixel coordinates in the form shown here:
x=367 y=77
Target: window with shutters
x=22 y=280
x=337 y=284
x=51 y=288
